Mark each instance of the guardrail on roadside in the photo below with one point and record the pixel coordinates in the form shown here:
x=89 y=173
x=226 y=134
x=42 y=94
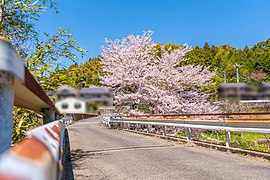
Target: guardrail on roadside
x=197 y=121
x=38 y=156
x=18 y=87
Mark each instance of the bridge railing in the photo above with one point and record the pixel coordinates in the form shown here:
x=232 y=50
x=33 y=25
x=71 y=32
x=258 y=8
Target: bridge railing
x=215 y=122
x=37 y=156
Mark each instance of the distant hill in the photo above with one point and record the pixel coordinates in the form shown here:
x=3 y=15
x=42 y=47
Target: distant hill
x=254 y=66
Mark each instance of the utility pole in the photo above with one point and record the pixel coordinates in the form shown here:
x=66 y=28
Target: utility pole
x=237 y=81
x=226 y=98
x=237 y=73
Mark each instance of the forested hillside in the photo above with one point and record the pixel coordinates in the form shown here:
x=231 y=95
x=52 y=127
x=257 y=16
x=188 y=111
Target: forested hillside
x=254 y=65
x=77 y=76
x=253 y=62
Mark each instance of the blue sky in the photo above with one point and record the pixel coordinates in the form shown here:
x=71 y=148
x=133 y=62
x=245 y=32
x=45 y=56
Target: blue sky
x=234 y=22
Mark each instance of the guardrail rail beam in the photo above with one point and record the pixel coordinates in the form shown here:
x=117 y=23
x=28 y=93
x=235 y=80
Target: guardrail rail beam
x=224 y=123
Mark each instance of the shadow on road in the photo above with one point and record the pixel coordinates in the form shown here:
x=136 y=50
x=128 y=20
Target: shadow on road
x=81 y=153
x=67 y=162
x=79 y=160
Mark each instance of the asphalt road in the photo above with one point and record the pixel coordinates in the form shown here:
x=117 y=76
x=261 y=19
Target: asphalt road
x=101 y=153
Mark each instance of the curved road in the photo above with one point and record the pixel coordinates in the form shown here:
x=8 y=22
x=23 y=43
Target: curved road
x=101 y=153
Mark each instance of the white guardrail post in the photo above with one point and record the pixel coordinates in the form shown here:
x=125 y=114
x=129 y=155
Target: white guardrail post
x=148 y=128
x=11 y=69
x=164 y=130
x=228 y=139
x=188 y=134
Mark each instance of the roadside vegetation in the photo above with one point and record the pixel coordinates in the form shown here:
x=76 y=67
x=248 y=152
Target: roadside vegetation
x=257 y=142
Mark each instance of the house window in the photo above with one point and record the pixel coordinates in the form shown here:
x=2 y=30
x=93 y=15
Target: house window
x=64 y=106
x=77 y=105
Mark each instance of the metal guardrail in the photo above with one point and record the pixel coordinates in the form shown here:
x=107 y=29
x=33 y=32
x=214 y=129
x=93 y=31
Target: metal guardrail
x=228 y=125
x=201 y=115
x=38 y=156
x=18 y=87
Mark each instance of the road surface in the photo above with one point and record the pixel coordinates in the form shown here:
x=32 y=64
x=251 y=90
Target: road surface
x=101 y=153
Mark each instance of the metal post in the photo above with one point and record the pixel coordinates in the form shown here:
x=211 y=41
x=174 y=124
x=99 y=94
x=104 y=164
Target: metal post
x=74 y=117
x=237 y=73
x=109 y=123
x=121 y=125
x=228 y=139
x=48 y=115
x=52 y=115
x=57 y=116
x=188 y=134
x=148 y=128
x=6 y=106
x=237 y=81
x=226 y=94
x=164 y=130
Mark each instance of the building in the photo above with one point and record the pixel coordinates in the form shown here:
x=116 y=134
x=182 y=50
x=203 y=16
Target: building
x=66 y=91
x=99 y=95
x=245 y=91
x=72 y=105
x=264 y=91
x=91 y=99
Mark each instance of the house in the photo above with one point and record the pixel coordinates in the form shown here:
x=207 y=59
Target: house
x=264 y=91
x=244 y=91
x=232 y=90
x=74 y=105
x=91 y=99
x=66 y=91
x=100 y=95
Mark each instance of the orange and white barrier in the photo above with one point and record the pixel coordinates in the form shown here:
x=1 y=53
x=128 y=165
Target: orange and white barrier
x=36 y=157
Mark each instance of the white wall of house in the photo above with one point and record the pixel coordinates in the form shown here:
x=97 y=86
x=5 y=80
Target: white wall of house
x=71 y=105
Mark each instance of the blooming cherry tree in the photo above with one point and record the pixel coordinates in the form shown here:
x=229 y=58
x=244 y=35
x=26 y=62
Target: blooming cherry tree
x=151 y=83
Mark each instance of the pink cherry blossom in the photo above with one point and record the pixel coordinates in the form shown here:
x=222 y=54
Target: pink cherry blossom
x=147 y=83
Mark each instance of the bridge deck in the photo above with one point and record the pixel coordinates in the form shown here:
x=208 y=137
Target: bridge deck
x=100 y=153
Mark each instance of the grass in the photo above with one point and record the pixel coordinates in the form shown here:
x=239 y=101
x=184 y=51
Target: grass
x=181 y=135
x=258 y=142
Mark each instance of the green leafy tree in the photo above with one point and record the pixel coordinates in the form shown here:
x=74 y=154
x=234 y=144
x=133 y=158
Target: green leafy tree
x=77 y=76
x=18 y=25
